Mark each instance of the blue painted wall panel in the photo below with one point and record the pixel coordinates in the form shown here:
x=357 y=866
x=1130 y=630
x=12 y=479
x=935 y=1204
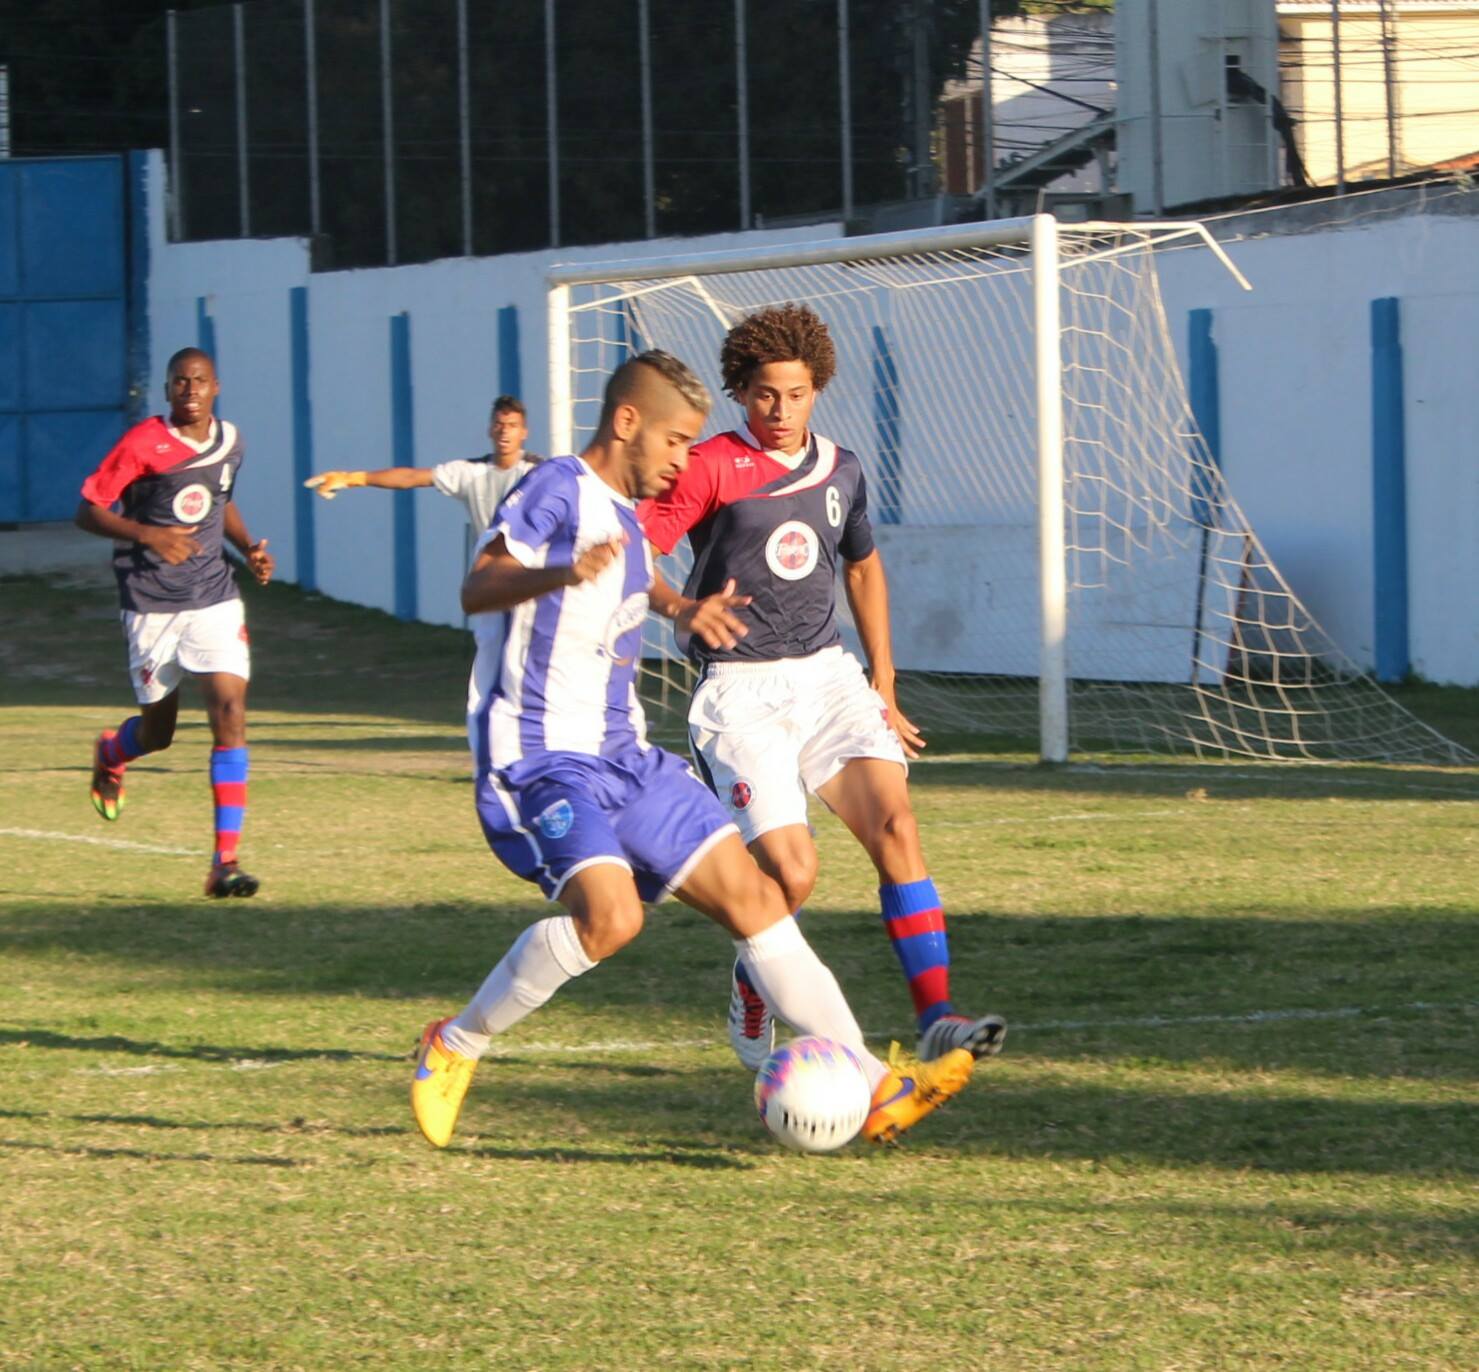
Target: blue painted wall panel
x=76 y=354
x=71 y=227
x=10 y=467
x=10 y=262
x=10 y=356
x=62 y=447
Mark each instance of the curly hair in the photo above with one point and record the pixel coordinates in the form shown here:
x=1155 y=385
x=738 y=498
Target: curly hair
x=780 y=333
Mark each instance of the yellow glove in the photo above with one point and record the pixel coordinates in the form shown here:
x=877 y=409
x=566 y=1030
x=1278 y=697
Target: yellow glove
x=329 y=484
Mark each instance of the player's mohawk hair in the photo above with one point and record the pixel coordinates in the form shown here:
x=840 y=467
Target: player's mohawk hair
x=779 y=333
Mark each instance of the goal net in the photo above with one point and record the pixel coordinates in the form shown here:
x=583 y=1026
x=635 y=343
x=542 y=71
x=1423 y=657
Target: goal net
x=1065 y=560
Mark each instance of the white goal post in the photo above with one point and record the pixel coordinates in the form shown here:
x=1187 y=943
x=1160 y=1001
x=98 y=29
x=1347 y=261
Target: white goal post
x=1064 y=557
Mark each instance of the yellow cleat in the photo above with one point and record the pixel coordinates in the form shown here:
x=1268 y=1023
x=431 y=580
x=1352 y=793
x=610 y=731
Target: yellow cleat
x=441 y=1081
x=912 y=1089
x=107 y=782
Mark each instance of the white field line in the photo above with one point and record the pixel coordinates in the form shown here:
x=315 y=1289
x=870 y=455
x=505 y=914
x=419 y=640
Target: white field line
x=599 y=1046
x=50 y=836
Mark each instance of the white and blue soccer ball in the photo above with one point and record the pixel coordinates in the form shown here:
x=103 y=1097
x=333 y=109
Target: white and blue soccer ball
x=813 y=1094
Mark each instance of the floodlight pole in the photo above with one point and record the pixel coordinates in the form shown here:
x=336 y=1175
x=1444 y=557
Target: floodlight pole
x=1051 y=551
x=310 y=52
x=176 y=165
x=742 y=105
x=243 y=188
x=387 y=111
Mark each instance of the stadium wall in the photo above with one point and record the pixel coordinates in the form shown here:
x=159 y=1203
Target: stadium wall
x=1295 y=381
x=1294 y=376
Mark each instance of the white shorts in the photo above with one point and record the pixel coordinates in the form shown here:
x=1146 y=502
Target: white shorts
x=767 y=733
x=162 y=647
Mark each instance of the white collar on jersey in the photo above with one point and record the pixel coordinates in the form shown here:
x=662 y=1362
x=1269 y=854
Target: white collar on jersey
x=826 y=460
x=205 y=444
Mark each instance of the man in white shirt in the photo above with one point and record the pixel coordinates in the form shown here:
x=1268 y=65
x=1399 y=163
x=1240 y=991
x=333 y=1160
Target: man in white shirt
x=480 y=483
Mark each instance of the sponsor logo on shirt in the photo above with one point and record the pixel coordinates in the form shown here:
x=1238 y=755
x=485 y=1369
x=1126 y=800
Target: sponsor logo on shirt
x=741 y=794
x=192 y=503
x=791 y=550
x=555 y=821
x=629 y=614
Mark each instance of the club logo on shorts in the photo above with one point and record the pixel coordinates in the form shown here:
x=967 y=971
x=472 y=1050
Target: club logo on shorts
x=555 y=821
x=791 y=550
x=192 y=503
x=741 y=794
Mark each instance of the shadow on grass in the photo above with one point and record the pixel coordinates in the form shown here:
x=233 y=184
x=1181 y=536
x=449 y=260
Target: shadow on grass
x=200 y=1052
x=145 y=1155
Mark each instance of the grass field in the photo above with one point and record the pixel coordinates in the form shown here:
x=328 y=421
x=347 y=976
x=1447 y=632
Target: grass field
x=1235 y=1125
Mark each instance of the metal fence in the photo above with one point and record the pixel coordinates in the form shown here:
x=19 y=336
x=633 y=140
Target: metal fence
x=394 y=131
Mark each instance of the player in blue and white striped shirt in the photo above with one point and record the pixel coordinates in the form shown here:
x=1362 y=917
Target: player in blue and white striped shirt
x=573 y=797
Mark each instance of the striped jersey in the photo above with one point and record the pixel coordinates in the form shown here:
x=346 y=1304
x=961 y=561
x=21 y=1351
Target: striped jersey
x=567 y=679
x=158 y=476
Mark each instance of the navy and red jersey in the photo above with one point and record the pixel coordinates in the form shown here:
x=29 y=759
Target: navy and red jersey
x=778 y=530
x=158 y=476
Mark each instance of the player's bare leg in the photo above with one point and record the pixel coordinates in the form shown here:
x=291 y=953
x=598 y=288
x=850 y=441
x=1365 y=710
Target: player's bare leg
x=871 y=797
x=152 y=729
x=729 y=888
x=603 y=914
x=225 y=705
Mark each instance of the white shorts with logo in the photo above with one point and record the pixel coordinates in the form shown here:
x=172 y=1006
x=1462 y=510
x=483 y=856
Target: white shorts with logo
x=163 y=646
x=767 y=733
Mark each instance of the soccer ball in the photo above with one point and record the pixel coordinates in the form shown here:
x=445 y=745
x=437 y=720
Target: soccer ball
x=813 y=1094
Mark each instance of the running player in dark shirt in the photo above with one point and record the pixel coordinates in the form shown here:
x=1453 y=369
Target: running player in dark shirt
x=772 y=510
x=164 y=495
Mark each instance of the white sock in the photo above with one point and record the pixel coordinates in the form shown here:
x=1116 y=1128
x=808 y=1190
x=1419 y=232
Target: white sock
x=801 y=990
x=544 y=957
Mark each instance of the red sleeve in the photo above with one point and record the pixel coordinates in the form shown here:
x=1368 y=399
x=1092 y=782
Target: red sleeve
x=687 y=502
x=114 y=473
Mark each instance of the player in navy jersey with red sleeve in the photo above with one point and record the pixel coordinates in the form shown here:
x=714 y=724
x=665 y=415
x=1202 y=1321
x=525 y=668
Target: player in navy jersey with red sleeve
x=164 y=495
x=772 y=512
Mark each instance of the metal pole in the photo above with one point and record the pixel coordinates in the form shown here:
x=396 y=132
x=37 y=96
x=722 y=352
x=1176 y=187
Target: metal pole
x=844 y=95
x=988 y=109
x=1339 y=113
x=1052 y=683
x=1157 y=147
x=649 y=172
x=1388 y=62
x=464 y=126
x=742 y=86
x=238 y=43
x=310 y=51
x=176 y=170
x=557 y=322
x=552 y=124
x=387 y=111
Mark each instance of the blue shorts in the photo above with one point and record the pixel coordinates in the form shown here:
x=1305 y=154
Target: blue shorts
x=547 y=817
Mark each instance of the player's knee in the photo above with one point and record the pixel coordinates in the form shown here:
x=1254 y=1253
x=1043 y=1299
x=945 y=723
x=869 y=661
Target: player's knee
x=895 y=835
x=797 y=878
x=607 y=927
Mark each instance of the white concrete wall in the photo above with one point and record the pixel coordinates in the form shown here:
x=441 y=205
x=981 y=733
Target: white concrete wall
x=1295 y=390
x=1295 y=363
x=453 y=305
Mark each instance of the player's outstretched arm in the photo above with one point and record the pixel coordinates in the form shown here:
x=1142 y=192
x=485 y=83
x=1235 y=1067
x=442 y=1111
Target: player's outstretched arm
x=499 y=581
x=329 y=484
x=867 y=593
x=172 y=542
x=712 y=618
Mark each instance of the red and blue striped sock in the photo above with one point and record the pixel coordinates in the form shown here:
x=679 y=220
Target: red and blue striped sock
x=916 y=928
x=229 y=786
x=124 y=746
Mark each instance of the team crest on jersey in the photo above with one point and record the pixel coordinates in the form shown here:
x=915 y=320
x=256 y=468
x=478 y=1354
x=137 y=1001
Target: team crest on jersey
x=741 y=794
x=191 y=503
x=555 y=821
x=791 y=550
x=629 y=614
